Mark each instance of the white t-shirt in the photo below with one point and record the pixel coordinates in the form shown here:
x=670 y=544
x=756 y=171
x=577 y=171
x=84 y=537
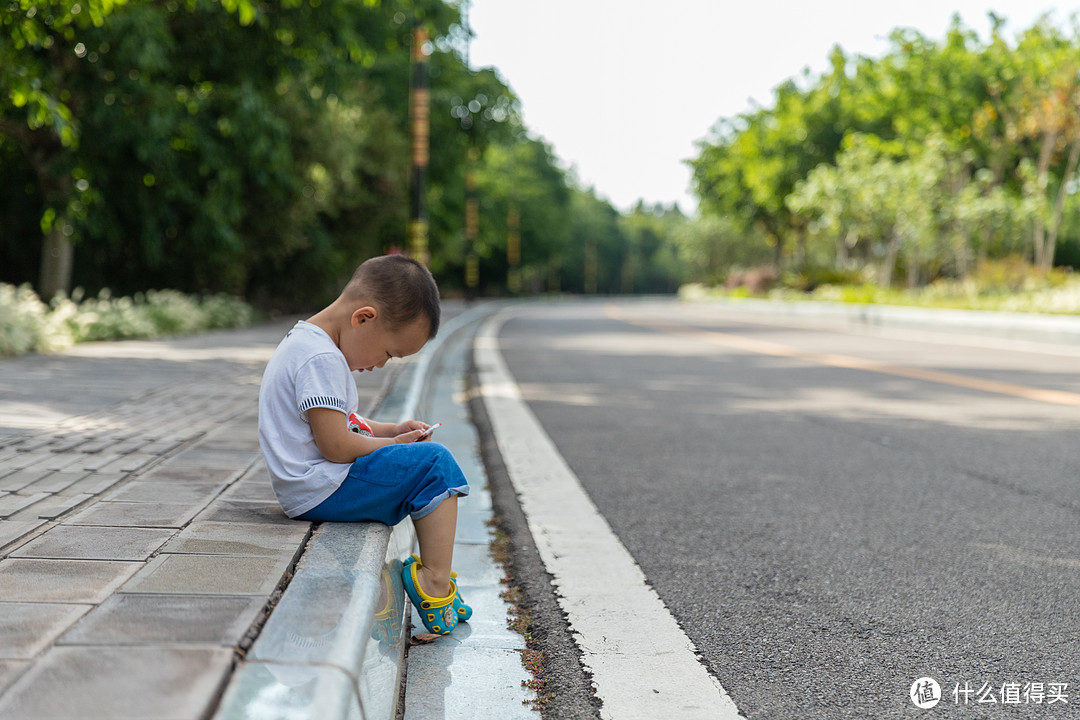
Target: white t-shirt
x=306 y=371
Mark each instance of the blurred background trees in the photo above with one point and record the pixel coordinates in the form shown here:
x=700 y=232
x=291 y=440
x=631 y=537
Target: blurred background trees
x=912 y=167
x=261 y=149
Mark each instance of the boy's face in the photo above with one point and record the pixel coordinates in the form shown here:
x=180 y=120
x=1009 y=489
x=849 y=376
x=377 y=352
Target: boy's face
x=371 y=342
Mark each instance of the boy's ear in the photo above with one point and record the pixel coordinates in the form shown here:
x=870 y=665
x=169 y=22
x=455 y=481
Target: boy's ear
x=363 y=314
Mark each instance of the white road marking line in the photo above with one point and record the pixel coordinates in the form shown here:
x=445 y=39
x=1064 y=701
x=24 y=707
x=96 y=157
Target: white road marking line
x=643 y=664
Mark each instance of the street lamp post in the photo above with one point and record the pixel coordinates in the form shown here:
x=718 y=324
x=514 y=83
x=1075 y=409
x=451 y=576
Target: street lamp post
x=419 y=116
x=513 y=249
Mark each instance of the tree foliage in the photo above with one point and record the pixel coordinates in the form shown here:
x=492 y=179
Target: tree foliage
x=912 y=166
x=261 y=148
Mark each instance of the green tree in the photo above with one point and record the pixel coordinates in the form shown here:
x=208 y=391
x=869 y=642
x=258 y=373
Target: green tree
x=525 y=175
x=185 y=151
x=41 y=46
x=986 y=135
x=711 y=246
x=751 y=164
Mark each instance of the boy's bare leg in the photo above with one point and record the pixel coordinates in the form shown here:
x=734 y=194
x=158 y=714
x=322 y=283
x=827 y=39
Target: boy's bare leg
x=435 y=533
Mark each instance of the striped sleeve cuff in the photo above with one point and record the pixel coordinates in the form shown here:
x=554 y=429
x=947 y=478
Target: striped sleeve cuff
x=323 y=401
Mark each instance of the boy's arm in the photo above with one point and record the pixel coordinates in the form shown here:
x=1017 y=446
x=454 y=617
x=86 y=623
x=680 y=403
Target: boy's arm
x=338 y=444
x=387 y=430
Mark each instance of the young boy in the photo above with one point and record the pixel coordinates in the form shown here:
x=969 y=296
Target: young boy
x=327 y=463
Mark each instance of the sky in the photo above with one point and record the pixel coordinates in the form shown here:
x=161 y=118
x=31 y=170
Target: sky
x=624 y=89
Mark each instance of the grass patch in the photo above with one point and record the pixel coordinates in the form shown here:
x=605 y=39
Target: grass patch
x=1054 y=293
x=520 y=620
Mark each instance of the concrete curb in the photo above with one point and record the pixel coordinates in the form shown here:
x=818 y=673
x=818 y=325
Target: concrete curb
x=1032 y=327
x=333 y=647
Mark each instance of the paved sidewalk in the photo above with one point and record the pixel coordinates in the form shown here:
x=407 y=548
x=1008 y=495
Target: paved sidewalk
x=139 y=539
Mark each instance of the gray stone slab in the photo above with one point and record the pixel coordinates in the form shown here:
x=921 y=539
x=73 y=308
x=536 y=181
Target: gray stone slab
x=70 y=462
x=126 y=619
x=256 y=472
x=52 y=506
x=10 y=437
x=249 y=489
x=128 y=462
x=245 y=512
x=95 y=483
x=64 y=581
x=130 y=445
x=230 y=538
x=191 y=433
x=13 y=530
x=6 y=455
x=96 y=543
x=97 y=461
x=133 y=514
x=242 y=435
x=169 y=474
x=101 y=683
x=58 y=505
x=193 y=493
x=100 y=443
x=28 y=628
x=201 y=457
x=54 y=482
x=10 y=670
x=163 y=447
x=36 y=443
x=29 y=460
x=70 y=441
x=11 y=504
x=210 y=575
x=19 y=479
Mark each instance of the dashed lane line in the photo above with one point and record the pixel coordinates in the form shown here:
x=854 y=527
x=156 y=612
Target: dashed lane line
x=848 y=362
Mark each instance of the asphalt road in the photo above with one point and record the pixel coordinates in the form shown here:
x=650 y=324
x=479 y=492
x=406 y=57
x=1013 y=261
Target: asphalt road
x=830 y=515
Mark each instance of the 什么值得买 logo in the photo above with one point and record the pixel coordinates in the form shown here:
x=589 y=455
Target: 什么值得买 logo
x=925 y=693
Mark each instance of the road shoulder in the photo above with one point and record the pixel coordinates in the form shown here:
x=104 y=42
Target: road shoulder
x=617 y=619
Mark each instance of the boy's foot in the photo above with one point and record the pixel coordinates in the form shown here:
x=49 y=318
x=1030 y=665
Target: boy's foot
x=463 y=611
x=437 y=614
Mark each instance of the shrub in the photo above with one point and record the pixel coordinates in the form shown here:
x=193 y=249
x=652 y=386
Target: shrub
x=810 y=278
x=227 y=311
x=108 y=318
x=756 y=280
x=173 y=313
x=21 y=318
x=1013 y=274
x=29 y=325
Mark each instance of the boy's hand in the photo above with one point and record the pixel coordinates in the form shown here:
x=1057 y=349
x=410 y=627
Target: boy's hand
x=410 y=431
x=408 y=426
x=411 y=436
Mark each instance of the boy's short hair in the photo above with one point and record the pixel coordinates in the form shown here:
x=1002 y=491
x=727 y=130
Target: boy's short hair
x=402 y=288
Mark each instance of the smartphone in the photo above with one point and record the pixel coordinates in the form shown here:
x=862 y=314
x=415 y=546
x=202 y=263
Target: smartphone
x=427 y=433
